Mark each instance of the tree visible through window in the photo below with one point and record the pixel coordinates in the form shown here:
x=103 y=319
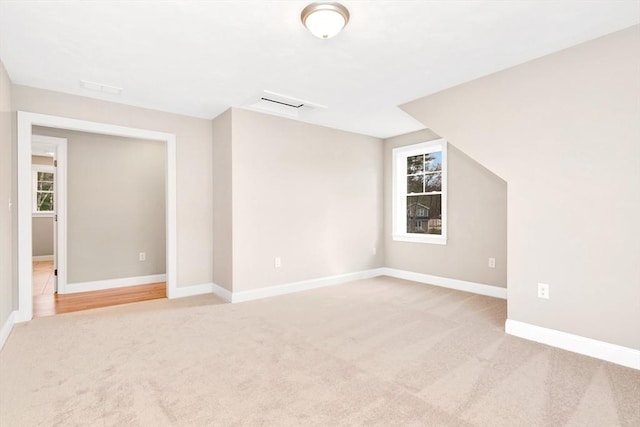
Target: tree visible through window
x=420 y=192
x=43 y=196
x=424 y=193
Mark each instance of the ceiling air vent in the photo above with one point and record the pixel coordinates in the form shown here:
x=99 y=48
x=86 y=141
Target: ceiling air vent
x=281 y=105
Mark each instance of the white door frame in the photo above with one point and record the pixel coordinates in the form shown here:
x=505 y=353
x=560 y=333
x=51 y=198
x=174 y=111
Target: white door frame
x=26 y=121
x=60 y=207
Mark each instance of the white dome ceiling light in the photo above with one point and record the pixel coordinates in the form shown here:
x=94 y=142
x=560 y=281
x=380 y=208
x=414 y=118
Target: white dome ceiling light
x=325 y=19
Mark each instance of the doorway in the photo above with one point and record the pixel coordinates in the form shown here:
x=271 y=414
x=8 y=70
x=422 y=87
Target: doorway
x=26 y=122
x=48 y=201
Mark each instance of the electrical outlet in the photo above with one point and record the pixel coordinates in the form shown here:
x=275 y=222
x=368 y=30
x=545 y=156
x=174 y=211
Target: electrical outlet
x=142 y=256
x=543 y=290
x=277 y=262
x=375 y=250
x=492 y=263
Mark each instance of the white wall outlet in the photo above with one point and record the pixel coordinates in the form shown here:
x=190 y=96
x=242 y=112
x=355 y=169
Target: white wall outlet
x=277 y=262
x=375 y=250
x=492 y=263
x=543 y=290
x=142 y=256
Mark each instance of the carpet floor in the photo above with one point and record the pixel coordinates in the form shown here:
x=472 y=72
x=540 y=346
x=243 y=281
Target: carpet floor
x=383 y=352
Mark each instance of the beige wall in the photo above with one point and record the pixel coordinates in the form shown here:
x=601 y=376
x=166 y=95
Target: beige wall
x=8 y=292
x=477 y=221
x=115 y=205
x=42 y=226
x=194 y=171
x=42 y=160
x=222 y=205
x=564 y=132
x=42 y=235
x=308 y=194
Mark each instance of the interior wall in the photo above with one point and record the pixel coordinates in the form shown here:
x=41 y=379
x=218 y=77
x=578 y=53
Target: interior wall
x=222 y=202
x=307 y=194
x=115 y=205
x=8 y=290
x=477 y=221
x=42 y=235
x=563 y=131
x=194 y=166
x=42 y=225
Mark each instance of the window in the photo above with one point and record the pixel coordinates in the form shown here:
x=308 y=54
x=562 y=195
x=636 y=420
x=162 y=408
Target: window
x=43 y=187
x=420 y=192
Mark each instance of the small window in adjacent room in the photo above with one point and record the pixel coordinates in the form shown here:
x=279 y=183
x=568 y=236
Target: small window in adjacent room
x=420 y=192
x=43 y=185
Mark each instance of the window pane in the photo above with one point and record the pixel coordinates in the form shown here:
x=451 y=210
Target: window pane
x=45 y=176
x=45 y=202
x=415 y=164
x=414 y=184
x=433 y=161
x=433 y=182
x=45 y=186
x=424 y=214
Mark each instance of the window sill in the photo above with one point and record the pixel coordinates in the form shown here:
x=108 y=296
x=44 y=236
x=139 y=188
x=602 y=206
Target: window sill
x=420 y=238
x=42 y=214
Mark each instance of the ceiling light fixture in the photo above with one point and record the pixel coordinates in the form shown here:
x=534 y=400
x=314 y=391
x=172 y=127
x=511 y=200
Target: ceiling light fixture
x=325 y=19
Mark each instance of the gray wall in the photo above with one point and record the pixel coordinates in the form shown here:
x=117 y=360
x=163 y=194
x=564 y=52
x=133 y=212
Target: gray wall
x=42 y=226
x=115 y=205
x=194 y=171
x=222 y=203
x=308 y=194
x=477 y=221
x=8 y=292
x=563 y=131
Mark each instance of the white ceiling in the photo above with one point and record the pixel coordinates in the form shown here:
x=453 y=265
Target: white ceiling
x=201 y=57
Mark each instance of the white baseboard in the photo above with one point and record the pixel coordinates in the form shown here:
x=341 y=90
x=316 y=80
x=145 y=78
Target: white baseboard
x=445 y=282
x=589 y=347
x=71 y=288
x=42 y=258
x=7 y=327
x=302 y=285
x=205 y=288
x=223 y=293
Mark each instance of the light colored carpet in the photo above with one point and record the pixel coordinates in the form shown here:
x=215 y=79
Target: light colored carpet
x=374 y=352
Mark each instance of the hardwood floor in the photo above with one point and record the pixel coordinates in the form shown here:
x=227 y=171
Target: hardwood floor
x=43 y=278
x=48 y=303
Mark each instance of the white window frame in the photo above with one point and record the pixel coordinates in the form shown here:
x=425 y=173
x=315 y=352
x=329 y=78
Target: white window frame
x=399 y=192
x=34 y=189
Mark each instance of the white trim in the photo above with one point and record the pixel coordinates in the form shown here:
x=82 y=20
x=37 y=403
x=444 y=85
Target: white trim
x=445 y=282
x=26 y=121
x=98 y=285
x=221 y=292
x=189 y=291
x=42 y=258
x=287 y=288
x=613 y=353
x=60 y=205
x=303 y=285
x=420 y=238
x=205 y=288
x=7 y=327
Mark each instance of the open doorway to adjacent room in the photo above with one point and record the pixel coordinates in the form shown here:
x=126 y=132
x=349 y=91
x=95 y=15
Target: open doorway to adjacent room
x=98 y=227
